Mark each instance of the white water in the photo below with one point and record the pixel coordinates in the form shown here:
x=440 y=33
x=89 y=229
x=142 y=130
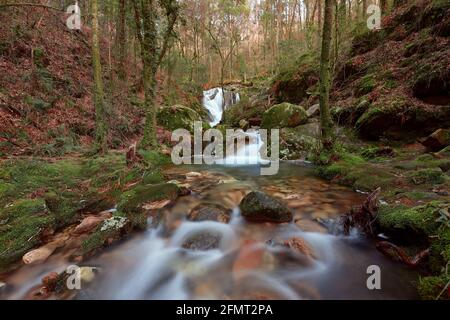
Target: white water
x=248 y=154
x=214 y=101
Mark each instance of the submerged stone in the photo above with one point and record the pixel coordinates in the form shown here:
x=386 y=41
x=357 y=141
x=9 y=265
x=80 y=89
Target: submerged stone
x=258 y=206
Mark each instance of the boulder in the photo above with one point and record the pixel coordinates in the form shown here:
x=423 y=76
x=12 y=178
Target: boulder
x=284 y=115
x=313 y=111
x=258 y=206
x=89 y=223
x=177 y=117
x=437 y=140
x=38 y=255
x=202 y=241
x=210 y=212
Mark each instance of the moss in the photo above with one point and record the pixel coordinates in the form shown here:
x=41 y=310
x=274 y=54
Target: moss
x=37 y=103
x=366 y=85
x=410 y=225
x=423 y=176
x=131 y=201
x=177 y=117
x=430 y=288
x=20 y=226
x=284 y=115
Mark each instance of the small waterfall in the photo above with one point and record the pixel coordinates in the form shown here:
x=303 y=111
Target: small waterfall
x=216 y=100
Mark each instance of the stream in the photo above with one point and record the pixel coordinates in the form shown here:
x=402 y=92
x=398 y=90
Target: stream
x=246 y=262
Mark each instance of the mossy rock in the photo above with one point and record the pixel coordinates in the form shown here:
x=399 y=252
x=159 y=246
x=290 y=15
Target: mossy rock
x=131 y=202
x=410 y=225
x=21 y=224
x=284 y=115
x=301 y=140
x=110 y=230
x=177 y=117
x=260 y=207
x=427 y=176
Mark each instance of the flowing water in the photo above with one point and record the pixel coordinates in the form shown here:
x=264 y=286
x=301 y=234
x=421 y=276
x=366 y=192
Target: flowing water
x=247 y=262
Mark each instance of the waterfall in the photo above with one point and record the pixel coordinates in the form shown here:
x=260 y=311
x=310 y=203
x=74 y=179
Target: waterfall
x=216 y=100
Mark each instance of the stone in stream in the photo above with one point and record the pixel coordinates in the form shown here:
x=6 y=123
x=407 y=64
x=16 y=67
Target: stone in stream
x=258 y=206
x=202 y=242
x=210 y=212
x=90 y=222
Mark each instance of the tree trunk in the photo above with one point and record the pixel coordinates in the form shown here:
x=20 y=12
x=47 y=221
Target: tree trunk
x=150 y=61
x=325 y=77
x=100 y=110
x=121 y=40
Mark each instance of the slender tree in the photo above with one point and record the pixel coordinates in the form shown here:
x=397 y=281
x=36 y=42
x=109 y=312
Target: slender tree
x=121 y=40
x=100 y=108
x=325 y=76
x=154 y=44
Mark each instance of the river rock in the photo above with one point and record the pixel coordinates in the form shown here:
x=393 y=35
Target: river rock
x=210 y=212
x=88 y=274
x=89 y=223
x=300 y=245
x=38 y=255
x=437 y=140
x=202 y=242
x=258 y=206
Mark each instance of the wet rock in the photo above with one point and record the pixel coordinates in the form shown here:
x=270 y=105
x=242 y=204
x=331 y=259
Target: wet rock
x=210 y=212
x=88 y=274
x=258 y=206
x=131 y=202
x=202 y=242
x=250 y=257
x=300 y=245
x=437 y=140
x=38 y=255
x=313 y=111
x=284 y=115
x=89 y=223
x=310 y=226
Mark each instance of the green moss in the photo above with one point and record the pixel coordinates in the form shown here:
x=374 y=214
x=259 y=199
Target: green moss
x=284 y=115
x=411 y=224
x=37 y=103
x=177 y=117
x=366 y=85
x=430 y=288
x=131 y=201
x=423 y=176
x=20 y=226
